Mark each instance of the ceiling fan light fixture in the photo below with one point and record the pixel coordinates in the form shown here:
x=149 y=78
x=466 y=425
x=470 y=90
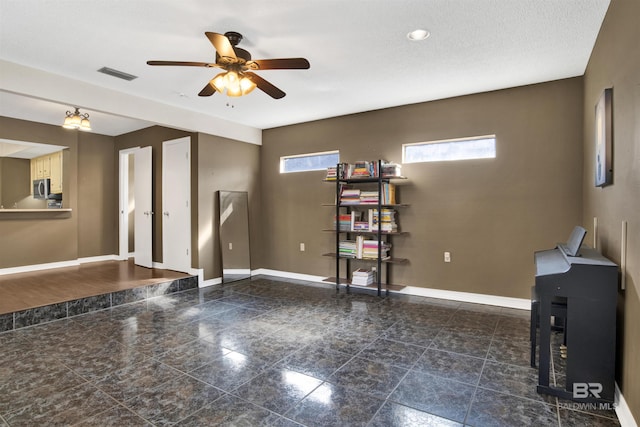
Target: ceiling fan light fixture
x=233 y=83
x=418 y=35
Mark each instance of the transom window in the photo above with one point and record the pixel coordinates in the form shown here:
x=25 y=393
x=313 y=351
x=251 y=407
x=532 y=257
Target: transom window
x=477 y=147
x=309 y=162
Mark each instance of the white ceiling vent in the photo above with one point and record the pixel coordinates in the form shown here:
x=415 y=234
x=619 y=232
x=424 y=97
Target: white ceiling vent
x=119 y=74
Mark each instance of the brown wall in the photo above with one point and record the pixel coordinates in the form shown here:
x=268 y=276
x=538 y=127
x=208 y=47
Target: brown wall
x=87 y=189
x=490 y=214
x=44 y=237
x=97 y=201
x=615 y=62
x=225 y=164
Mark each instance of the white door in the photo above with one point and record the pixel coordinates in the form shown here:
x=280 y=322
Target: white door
x=176 y=204
x=143 y=190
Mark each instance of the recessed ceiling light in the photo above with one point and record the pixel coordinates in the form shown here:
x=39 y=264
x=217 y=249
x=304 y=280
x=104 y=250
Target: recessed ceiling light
x=417 y=35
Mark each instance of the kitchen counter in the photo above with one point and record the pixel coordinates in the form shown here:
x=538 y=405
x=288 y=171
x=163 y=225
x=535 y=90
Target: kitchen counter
x=33 y=210
x=34 y=214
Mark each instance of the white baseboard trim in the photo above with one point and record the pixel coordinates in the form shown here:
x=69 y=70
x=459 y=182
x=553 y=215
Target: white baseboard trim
x=210 y=282
x=246 y=271
x=509 y=302
x=38 y=267
x=623 y=411
x=519 y=303
x=87 y=260
x=59 y=264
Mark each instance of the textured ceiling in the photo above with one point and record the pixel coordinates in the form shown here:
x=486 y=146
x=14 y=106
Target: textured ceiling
x=360 y=57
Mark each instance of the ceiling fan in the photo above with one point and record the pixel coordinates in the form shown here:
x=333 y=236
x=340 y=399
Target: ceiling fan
x=239 y=78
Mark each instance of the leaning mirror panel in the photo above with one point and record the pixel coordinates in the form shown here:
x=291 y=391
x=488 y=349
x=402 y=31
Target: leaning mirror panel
x=234 y=235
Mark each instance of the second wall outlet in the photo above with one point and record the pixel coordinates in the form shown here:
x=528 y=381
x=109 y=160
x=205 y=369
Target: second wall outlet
x=301 y=247
x=447 y=257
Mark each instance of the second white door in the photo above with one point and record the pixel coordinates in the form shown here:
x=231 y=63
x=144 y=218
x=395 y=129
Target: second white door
x=176 y=204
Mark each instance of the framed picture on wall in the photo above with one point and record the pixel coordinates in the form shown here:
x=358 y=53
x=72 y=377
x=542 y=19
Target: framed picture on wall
x=604 y=139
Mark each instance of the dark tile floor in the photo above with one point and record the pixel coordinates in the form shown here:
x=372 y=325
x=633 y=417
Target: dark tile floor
x=265 y=352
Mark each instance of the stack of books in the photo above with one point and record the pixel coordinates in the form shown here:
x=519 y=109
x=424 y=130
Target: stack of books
x=369 y=197
x=391 y=169
x=355 y=196
x=350 y=196
x=332 y=173
x=344 y=222
x=361 y=169
x=363 y=249
x=364 y=169
x=347 y=249
x=386 y=220
x=358 y=223
x=370 y=249
x=362 y=277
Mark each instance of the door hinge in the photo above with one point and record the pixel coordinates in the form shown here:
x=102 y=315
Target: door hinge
x=187 y=251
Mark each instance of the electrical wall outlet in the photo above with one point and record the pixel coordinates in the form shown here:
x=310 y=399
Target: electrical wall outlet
x=447 y=257
x=301 y=247
x=230 y=246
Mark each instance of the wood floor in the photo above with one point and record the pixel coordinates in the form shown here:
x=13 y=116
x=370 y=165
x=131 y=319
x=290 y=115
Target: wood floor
x=35 y=289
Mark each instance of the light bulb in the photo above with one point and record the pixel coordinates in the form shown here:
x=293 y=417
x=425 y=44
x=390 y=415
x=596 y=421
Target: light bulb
x=85 y=125
x=218 y=82
x=246 y=85
x=67 y=123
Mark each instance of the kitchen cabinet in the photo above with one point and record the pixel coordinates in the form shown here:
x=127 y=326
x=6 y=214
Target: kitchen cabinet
x=55 y=168
x=48 y=166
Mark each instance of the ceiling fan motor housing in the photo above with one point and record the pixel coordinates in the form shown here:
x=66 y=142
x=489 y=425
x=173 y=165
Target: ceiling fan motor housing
x=234 y=39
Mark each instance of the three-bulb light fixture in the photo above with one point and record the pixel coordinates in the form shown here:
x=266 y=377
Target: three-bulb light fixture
x=77 y=120
x=235 y=83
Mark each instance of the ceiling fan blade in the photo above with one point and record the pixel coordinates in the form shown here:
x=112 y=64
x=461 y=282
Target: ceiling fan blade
x=182 y=63
x=283 y=64
x=222 y=44
x=265 y=86
x=208 y=90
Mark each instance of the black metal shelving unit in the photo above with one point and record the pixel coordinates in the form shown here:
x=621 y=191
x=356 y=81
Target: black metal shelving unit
x=381 y=236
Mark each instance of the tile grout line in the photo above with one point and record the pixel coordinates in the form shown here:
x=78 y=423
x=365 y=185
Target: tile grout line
x=484 y=363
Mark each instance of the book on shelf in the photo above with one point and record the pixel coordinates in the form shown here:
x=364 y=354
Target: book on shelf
x=388 y=193
x=332 y=173
x=390 y=170
x=362 y=248
x=362 y=277
x=386 y=220
x=369 y=197
x=344 y=222
x=347 y=249
x=370 y=249
x=349 y=196
x=363 y=169
x=356 y=196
